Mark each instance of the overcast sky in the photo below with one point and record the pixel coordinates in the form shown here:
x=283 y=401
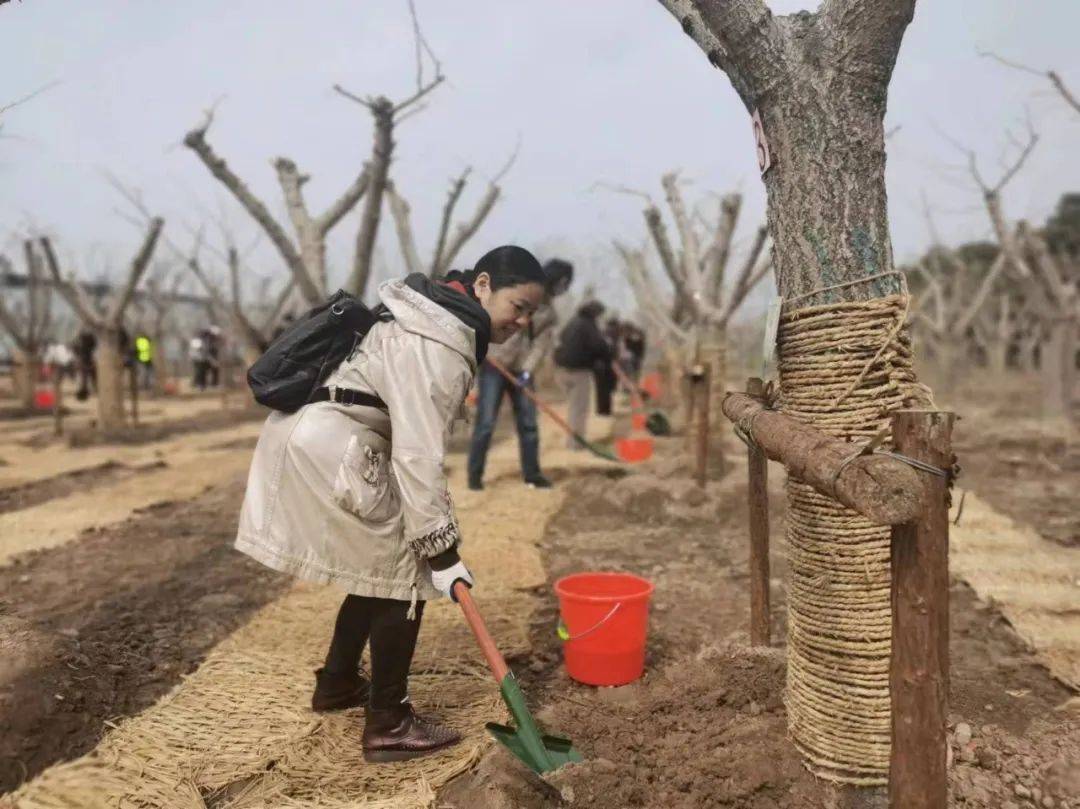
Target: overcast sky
x=597 y=90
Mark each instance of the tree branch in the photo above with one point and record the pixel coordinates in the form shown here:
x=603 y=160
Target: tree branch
x=343 y=204
x=466 y=230
x=1053 y=76
x=690 y=264
x=739 y=37
x=381 y=151
x=716 y=258
x=8 y=319
x=865 y=35
x=138 y=267
x=399 y=211
x=447 y=217
x=196 y=141
x=960 y=325
x=70 y=288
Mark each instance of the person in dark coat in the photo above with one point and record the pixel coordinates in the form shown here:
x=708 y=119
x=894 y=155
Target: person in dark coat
x=581 y=346
x=603 y=373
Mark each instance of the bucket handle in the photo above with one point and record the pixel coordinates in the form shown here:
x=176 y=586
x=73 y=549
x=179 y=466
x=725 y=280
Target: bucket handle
x=564 y=633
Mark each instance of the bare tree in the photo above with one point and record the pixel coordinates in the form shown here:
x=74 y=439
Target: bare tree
x=705 y=298
x=818 y=82
x=107 y=325
x=1056 y=293
x=306 y=255
x=955 y=292
x=255 y=334
x=447 y=245
x=29 y=326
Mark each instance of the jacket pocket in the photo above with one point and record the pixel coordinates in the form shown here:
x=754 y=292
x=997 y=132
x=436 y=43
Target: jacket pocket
x=364 y=485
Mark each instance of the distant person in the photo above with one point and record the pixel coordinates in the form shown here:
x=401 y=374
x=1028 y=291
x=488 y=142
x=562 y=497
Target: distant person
x=60 y=359
x=144 y=360
x=214 y=340
x=581 y=346
x=603 y=374
x=198 y=353
x=521 y=355
x=351 y=489
x=633 y=355
x=84 y=348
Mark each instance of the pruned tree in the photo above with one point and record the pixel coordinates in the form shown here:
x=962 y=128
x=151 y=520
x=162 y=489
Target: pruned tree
x=255 y=333
x=450 y=239
x=956 y=286
x=705 y=297
x=106 y=325
x=28 y=326
x=161 y=292
x=818 y=83
x=304 y=255
x=1056 y=297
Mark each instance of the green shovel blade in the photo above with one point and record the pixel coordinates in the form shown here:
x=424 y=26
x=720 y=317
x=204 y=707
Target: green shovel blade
x=538 y=751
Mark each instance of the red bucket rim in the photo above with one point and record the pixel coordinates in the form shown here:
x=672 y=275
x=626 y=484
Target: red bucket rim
x=646 y=590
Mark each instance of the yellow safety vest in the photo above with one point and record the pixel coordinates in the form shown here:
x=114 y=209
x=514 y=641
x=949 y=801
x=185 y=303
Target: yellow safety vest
x=144 y=349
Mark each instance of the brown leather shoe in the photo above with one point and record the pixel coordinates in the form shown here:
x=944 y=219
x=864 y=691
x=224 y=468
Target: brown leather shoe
x=398 y=734
x=335 y=692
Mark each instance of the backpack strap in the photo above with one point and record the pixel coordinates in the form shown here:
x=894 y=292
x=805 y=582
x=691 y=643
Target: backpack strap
x=347 y=396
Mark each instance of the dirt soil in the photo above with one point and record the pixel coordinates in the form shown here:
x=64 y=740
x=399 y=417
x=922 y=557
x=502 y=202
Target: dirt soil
x=706 y=725
x=13 y=498
x=100 y=628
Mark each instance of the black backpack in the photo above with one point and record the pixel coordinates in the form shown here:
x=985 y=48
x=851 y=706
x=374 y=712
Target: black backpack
x=288 y=374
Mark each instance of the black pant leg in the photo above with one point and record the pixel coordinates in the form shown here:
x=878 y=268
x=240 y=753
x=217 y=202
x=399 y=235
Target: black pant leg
x=351 y=632
x=393 y=641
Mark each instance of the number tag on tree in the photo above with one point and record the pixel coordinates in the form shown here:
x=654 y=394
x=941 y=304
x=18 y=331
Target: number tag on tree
x=764 y=156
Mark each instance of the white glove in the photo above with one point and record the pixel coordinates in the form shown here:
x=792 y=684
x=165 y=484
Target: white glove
x=443 y=580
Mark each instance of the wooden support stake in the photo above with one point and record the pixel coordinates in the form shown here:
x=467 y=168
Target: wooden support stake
x=58 y=404
x=919 y=670
x=703 y=381
x=884 y=490
x=758 y=469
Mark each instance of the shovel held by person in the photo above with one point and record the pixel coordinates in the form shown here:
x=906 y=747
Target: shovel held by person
x=540 y=752
x=550 y=411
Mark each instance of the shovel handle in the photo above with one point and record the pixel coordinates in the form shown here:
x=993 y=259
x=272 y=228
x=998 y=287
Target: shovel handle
x=498 y=366
x=487 y=645
x=636 y=402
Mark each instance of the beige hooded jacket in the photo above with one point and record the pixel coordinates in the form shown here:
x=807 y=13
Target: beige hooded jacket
x=353 y=496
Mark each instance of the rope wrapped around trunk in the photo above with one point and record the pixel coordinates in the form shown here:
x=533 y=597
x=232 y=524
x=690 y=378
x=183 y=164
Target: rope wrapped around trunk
x=844 y=367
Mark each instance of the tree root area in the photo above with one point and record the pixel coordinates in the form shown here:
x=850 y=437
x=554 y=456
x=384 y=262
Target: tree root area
x=706 y=725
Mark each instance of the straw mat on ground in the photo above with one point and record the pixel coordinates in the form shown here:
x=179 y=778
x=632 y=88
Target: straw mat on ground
x=238 y=733
x=1034 y=582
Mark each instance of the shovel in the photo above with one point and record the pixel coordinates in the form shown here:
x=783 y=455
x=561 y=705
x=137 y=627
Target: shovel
x=540 y=753
x=595 y=450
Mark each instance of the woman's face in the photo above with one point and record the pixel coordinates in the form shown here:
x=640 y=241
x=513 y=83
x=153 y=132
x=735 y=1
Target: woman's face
x=509 y=308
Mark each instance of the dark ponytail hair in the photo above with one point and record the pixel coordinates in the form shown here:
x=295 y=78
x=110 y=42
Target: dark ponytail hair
x=507 y=266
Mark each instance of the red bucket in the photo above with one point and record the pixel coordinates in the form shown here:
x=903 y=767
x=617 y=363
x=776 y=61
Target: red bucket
x=637 y=421
x=633 y=450
x=44 y=399
x=603 y=624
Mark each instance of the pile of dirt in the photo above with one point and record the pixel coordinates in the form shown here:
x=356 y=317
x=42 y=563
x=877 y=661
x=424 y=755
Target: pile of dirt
x=996 y=769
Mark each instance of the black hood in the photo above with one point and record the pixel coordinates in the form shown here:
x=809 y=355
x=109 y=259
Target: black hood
x=462 y=305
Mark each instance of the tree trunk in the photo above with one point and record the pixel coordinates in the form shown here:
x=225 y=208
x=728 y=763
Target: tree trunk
x=111 y=381
x=997 y=356
x=24 y=379
x=1058 y=368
